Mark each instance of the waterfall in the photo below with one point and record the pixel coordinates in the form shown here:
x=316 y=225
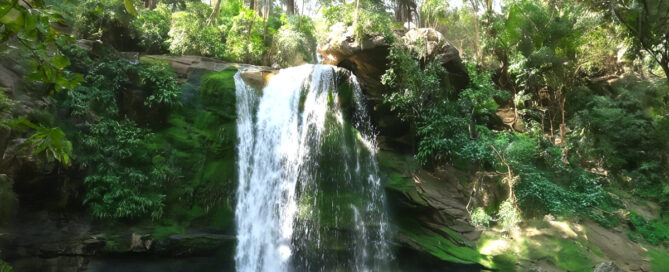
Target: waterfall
x=309 y=196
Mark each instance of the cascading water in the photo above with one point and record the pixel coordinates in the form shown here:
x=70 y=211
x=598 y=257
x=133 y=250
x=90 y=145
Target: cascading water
x=309 y=195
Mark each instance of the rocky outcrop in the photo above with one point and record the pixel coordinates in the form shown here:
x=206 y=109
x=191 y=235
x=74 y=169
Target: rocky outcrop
x=365 y=58
x=430 y=210
x=44 y=240
x=186 y=66
x=430 y=44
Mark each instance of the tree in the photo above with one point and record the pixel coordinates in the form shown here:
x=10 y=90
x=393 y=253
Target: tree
x=645 y=21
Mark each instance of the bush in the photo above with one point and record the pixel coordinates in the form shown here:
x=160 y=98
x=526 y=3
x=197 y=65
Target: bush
x=161 y=84
x=290 y=45
x=152 y=28
x=654 y=231
x=190 y=35
x=480 y=218
x=120 y=184
x=127 y=176
x=624 y=132
x=508 y=216
x=450 y=125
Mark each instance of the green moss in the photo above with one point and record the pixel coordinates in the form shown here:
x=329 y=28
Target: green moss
x=152 y=60
x=659 y=260
x=200 y=140
x=116 y=244
x=441 y=245
x=565 y=254
x=504 y=262
x=162 y=232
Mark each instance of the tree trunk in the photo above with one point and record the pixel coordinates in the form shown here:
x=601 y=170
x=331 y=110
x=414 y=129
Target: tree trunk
x=563 y=125
x=150 y=4
x=290 y=7
x=268 y=10
x=664 y=63
x=214 y=13
x=476 y=32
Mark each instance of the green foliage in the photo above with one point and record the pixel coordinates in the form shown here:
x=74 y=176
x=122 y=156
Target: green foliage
x=152 y=27
x=161 y=83
x=291 y=45
x=450 y=126
x=244 y=41
x=48 y=142
x=120 y=184
x=127 y=175
x=4 y=267
x=480 y=218
x=655 y=231
x=622 y=132
x=106 y=20
x=370 y=20
x=6 y=104
x=31 y=29
x=508 y=216
x=645 y=23
x=191 y=35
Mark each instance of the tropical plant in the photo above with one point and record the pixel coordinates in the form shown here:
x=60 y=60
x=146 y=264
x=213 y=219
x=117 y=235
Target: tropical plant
x=48 y=142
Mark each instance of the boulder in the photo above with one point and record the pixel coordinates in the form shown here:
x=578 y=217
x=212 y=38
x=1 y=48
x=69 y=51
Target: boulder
x=607 y=267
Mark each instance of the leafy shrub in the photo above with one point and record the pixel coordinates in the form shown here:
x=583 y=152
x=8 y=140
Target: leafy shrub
x=291 y=45
x=51 y=143
x=654 y=231
x=152 y=28
x=127 y=176
x=191 y=35
x=450 y=126
x=625 y=132
x=480 y=218
x=161 y=83
x=508 y=216
x=120 y=184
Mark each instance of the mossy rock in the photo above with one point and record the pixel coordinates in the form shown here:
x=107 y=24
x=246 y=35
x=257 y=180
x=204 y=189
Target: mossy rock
x=446 y=245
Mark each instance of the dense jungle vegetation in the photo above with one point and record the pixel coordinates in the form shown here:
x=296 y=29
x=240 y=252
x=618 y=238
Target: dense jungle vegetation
x=566 y=105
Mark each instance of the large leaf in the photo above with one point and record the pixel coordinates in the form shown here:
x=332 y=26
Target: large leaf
x=130 y=7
